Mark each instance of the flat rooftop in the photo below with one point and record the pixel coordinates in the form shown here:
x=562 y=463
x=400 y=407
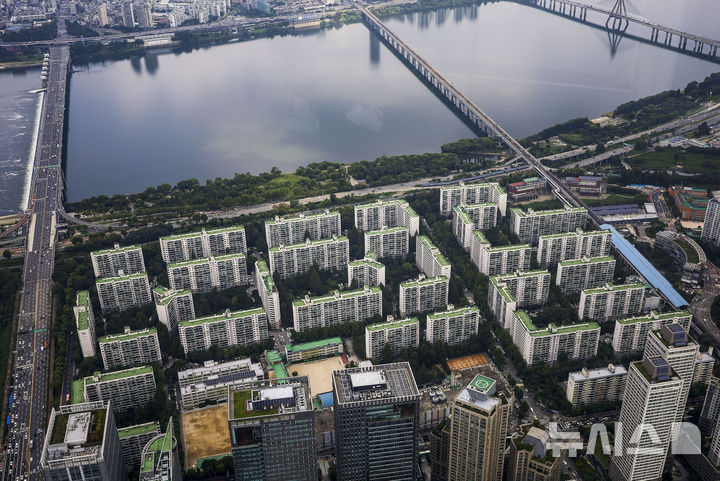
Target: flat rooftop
x=392 y=382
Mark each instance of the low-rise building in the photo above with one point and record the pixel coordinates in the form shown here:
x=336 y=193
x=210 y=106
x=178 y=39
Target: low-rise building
x=469 y=218
x=587 y=273
x=462 y=193
x=530 y=225
x=429 y=259
x=294 y=260
x=387 y=213
x=120 y=293
x=85 y=323
x=131 y=348
x=269 y=294
x=423 y=294
x=388 y=242
x=210 y=383
x=132 y=441
x=686 y=252
x=508 y=292
x=337 y=308
x=631 y=333
x=690 y=201
x=314 y=349
x=453 y=325
x=173 y=306
x=209 y=273
x=111 y=262
x=239 y=328
x=494 y=260
x=527 y=189
x=399 y=334
x=203 y=244
x=366 y=272
x=591 y=386
x=586 y=185
x=611 y=302
x=296 y=228
x=554 y=248
x=126 y=389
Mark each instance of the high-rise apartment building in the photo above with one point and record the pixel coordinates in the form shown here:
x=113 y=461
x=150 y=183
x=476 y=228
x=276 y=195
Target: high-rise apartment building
x=113 y=262
x=399 y=334
x=120 y=293
x=272 y=430
x=376 y=422
x=203 y=244
x=173 y=306
x=554 y=248
x=294 y=260
x=131 y=348
x=710 y=414
x=336 y=308
x=590 y=386
x=388 y=242
x=82 y=443
x=611 y=302
x=652 y=399
x=366 y=272
x=132 y=441
x=531 y=460
x=479 y=419
x=440 y=451
x=143 y=15
x=586 y=273
x=631 y=332
x=469 y=218
x=530 y=225
x=126 y=389
x=454 y=195
x=423 y=294
x=496 y=260
x=269 y=294
x=387 y=213
x=210 y=382
x=295 y=229
x=128 y=16
x=453 y=325
x=704 y=366
x=85 y=323
x=711 y=227
x=239 y=328
x=429 y=259
x=508 y=292
x=102 y=15
x=207 y=274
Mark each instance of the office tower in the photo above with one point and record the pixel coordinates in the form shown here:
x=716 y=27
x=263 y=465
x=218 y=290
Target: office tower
x=586 y=273
x=452 y=326
x=423 y=294
x=704 y=366
x=117 y=261
x=478 y=427
x=387 y=213
x=530 y=225
x=336 y=308
x=630 y=333
x=126 y=389
x=85 y=323
x=120 y=293
x=203 y=244
x=710 y=414
x=306 y=351
x=468 y=218
x=272 y=430
x=376 y=422
x=652 y=398
x=294 y=229
x=554 y=248
x=269 y=294
x=508 y=292
x=207 y=274
x=547 y=345
x=82 y=443
x=366 y=272
x=239 y=328
x=210 y=382
x=429 y=259
x=131 y=348
x=672 y=344
x=440 y=451
x=454 y=195
x=711 y=227
x=102 y=14
x=388 y=242
x=531 y=460
x=325 y=254
x=160 y=460
x=128 y=15
x=399 y=334
x=492 y=261
x=132 y=441
x=590 y=386
x=173 y=306
x=611 y=302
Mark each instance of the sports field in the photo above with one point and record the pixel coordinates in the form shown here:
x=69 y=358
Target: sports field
x=467 y=362
x=205 y=433
x=318 y=372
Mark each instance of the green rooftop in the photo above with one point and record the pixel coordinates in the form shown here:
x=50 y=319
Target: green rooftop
x=206 y=260
x=480 y=237
x=313 y=345
x=128 y=336
x=78 y=391
x=393 y=324
x=106 y=280
x=369 y=260
x=138 y=429
x=462 y=214
x=115 y=250
x=423 y=282
x=341 y=295
x=188 y=235
x=388 y=230
x=655 y=316
x=239 y=405
x=614 y=288
x=517 y=247
x=434 y=251
x=160 y=444
x=533 y=213
x=309 y=243
x=588 y=260
x=548 y=331
x=222 y=317
x=301 y=216
x=452 y=312
x=272 y=357
x=115 y=375
x=167 y=295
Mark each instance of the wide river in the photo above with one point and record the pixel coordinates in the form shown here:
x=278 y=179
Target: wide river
x=339 y=95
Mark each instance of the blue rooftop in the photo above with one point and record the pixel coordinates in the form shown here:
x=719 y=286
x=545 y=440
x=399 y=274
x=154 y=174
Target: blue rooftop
x=622 y=209
x=326 y=399
x=645 y=268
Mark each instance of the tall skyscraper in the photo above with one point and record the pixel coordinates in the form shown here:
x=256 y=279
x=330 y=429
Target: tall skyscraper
x=85 y=322
x=710 y=414
x=711 y=227
x=376 y=422
x=102 y=14
x=160 y=460
x=128 y=15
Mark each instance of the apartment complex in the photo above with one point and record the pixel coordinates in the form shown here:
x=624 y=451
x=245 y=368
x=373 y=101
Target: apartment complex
x=210 y=273
x=453 y=325
x=591 y=386
x=173 y=306
x=454 y=195
x=272 y=430
x=690 y=201
x=704 y=365
x=132 y=441
x=631 y=332
x=239 y=328
x=508 y=292
x=126 y=389
x=366 y=272
x=376 y=422
x=586 y=273
x=336 y=308
x=387 y=213
x=710 y=414
x=295 y=229
x=468 y=218
x=554 y=248
x=315 y=349
x=160 y=460
x=530 y=225
x=388 y=242
x=531 y=458
x=496 y=260
x=131 y=348
x=111 y=262
x=711 y=227
x=399 y=334
x=429 y=259
x=325 y=254
x=85 y=323
x=210 y=383
x=201 y=245
x=120 y=293
x=611 y=302
x=269 y=294
x=423 y=294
